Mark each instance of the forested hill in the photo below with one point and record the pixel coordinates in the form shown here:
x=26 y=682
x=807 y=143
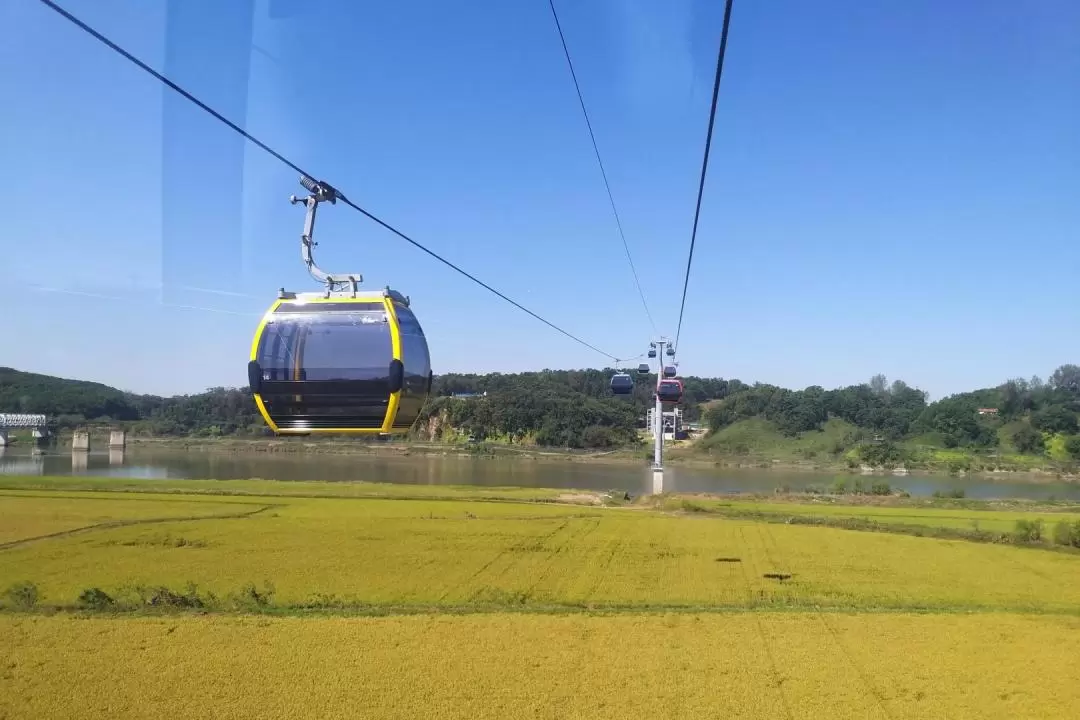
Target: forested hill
x=875 y=421
x=881 y=423
x=70 y=403
x=565 y=408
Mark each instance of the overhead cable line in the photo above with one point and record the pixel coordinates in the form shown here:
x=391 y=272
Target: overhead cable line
x=603 y=172
x=284 y=160
x=705 y=161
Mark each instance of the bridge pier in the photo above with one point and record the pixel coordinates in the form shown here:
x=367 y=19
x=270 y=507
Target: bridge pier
x=658 y=480
x=117 y=440
x=41 y=440
x=80 y=441
x=3 y=438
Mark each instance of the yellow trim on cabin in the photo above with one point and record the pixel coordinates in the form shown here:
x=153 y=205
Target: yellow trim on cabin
x=255 y=356
x=262 y=326
x=395 y=344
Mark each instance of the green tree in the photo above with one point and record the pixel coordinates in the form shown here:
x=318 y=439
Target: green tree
x=1072 y=446
x=1067 y=380
x=1055 y=419
x=1027 y=440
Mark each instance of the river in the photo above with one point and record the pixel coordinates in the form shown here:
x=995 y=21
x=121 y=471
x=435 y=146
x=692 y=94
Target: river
x=450 y=470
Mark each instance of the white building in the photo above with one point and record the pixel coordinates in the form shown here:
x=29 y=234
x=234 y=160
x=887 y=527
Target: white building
x=673 y=423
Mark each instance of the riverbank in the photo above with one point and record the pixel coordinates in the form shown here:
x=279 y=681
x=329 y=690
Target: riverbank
x=699 y=456
x=830 y=501
x=680 y=453
x=395 y=448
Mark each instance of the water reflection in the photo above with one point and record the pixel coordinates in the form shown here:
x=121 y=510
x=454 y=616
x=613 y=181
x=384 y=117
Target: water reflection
x=21 y=464
x=440 y=470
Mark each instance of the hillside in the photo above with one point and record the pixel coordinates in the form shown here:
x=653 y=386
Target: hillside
x=1020 y=423
x=25 y=392
x=70 y=403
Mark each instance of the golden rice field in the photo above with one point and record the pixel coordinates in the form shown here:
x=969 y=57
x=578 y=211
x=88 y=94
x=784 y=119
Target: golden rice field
x=498 y=607
x=949 y=517
x=715 y=665
x=28 y=515
x=392 y=553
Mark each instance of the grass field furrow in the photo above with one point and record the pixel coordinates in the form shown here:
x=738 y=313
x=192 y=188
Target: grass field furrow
x=873 y=694
x=556 y=556
x=776 y=678
x=26 y=516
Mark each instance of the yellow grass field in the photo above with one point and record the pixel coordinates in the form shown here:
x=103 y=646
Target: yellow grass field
x=374 y=552
x=469 y=608
x=35 y=514
x=959 y=518
x=734 y=665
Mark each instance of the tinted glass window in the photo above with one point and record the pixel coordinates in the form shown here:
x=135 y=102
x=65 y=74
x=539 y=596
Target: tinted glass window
x=414 y=351
x=338 y=345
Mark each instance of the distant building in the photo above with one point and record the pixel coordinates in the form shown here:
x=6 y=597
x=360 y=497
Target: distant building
x=673 y=424
x=988 y=411
x=466 y=395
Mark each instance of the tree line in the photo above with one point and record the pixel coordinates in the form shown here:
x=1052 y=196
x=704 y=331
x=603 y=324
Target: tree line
x=1031 y=417
x=564 y=408
x=575 y=408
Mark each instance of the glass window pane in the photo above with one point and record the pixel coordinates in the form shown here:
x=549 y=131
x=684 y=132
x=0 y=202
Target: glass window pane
x=338 y=345
x=414 y=352
x=414 y=355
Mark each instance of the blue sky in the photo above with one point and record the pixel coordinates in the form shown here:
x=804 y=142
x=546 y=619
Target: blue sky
x=894 y=187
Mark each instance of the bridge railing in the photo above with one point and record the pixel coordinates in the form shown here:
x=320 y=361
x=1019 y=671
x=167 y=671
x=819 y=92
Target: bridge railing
x=9 y=421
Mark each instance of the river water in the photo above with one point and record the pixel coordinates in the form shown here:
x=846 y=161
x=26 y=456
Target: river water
x=443 y=470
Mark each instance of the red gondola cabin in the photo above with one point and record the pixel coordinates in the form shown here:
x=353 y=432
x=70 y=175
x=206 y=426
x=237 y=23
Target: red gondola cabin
x=670 y=391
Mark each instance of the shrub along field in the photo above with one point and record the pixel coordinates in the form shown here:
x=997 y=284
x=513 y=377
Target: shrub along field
x=348 y=605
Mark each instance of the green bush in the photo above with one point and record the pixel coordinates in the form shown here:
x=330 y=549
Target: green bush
x=1067 y=533
x=1028 y=530
x=23 y=595
x=880 y=487
x=163 y=597
x=882 y=454
x=251 y=596
x=598 y=436
x=94 y=599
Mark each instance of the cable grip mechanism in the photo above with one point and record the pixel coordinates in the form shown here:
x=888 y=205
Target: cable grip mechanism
x=321 y=191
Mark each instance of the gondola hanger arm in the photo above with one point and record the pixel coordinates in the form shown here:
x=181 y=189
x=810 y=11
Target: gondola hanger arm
x=320 y=192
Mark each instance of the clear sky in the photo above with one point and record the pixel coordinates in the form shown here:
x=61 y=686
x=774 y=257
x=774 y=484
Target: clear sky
x=894 y=186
